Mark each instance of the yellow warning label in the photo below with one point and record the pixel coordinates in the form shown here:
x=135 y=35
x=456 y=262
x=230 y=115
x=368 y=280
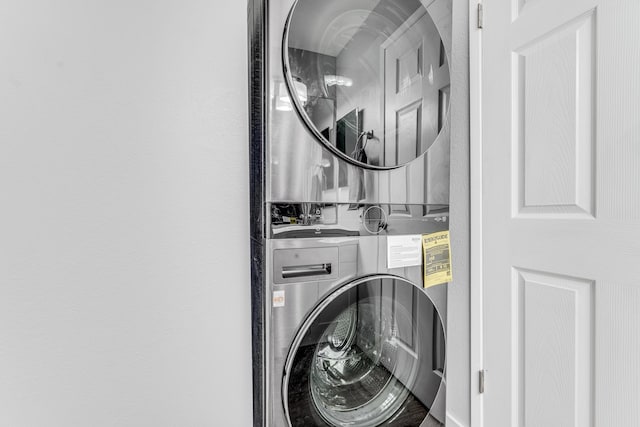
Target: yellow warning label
x=437 y=258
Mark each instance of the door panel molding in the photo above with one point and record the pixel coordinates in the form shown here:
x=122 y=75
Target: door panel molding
x=555 y=324
x=553 y=142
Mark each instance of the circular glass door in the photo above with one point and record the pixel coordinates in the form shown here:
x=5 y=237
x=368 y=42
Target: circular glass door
x=372 y=353
x=370 y=78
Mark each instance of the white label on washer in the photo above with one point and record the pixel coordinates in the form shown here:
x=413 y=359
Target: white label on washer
x=278 y=298
x=404 y=251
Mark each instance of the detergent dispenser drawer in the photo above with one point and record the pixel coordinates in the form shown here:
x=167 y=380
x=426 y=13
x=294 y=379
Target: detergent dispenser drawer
x=305 y=264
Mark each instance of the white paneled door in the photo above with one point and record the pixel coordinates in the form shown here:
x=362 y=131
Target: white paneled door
x=561 y=213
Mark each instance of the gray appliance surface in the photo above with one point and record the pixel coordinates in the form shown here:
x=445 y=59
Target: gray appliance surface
x=294 y=158
x=320 y=223
x=351 y=259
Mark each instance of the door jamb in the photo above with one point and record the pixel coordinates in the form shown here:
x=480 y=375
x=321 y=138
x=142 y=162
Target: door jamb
x=476 y=284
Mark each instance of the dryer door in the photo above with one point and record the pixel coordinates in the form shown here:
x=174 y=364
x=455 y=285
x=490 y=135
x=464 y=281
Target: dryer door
x=371 y=353
x=370 y=78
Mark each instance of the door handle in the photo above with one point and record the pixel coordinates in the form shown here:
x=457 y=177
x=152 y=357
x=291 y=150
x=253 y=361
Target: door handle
x=306 y=270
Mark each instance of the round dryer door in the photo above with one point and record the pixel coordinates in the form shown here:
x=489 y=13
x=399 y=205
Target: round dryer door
x=372 y=353
x=370 y=78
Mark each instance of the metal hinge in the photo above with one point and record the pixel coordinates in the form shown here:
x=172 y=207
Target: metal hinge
x=481 y=381
x=480 y=15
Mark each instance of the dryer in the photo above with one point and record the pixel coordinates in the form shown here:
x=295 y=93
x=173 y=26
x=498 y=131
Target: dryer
x=354 y=99
x=350 y=139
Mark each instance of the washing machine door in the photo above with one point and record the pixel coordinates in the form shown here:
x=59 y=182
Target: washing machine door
x=370 y=354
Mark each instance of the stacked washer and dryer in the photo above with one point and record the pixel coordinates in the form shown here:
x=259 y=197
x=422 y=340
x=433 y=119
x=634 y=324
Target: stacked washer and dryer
x=350 y=138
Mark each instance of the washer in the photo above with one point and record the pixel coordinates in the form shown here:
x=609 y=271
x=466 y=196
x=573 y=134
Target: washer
x=350 y=136
x=351 y=341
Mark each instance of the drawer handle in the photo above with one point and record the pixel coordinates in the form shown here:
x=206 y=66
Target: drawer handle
x=306 y=270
